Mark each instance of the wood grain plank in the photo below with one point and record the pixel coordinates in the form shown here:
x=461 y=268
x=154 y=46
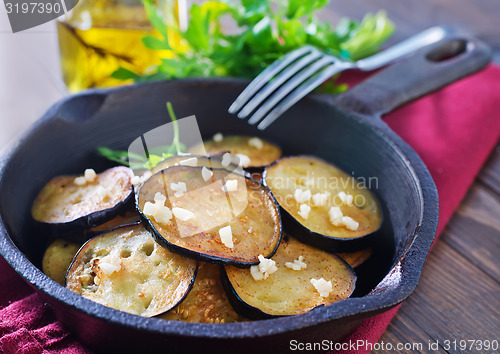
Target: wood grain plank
x=474 y=231
x=411 y=16
x=404 y=331
x=490 y=174
x=454 y=299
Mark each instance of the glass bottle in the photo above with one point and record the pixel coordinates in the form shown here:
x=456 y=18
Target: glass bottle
x=99 y=36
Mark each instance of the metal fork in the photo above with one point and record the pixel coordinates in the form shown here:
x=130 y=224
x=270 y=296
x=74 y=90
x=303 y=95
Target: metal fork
x=297 y=73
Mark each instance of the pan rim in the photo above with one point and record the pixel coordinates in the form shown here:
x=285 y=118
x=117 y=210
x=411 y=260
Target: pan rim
x=366 y=306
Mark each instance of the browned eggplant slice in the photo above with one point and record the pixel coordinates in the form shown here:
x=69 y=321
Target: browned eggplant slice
x=355 y=259
x=288 y=291
x=69 y=203
x=207 y=301
x=209 y=215
x=127 y=219
x=260 y=151
x=327 y=207
x=127 y=270
x=212 y=161
x=57 y=258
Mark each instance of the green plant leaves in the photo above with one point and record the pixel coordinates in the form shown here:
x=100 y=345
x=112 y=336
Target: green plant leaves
x=266 y=30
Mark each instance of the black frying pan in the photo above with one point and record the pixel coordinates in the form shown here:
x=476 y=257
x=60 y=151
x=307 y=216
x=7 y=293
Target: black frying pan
x=346 y=130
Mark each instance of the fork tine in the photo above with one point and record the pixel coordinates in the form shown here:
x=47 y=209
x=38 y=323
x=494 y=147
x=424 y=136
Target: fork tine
x=302 y=90
x=278 y=80
x=288 y=87
x=266 y=75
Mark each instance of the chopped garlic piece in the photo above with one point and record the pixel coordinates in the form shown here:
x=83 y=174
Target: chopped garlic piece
x=90 y=175
x=80 y=181
x=243 y=160
x=226 y=159
x=218 y=137
x=297 y=264
x=136 y=180
x=304 y=211
x=346 y=198
x=157 y=211
x=149 y=209
x=320 y=199
x=266 y=267
x=162 y=214
x=193 y=162
x=322 y=286
x=226 y=236
x=179 y=188
x=256 y=274
x=350 y=223
x=302 y=196
x=206 y=174
x=160 y=198
x=338 y=219
x=109 y=264
x=108 y=268
x=101 y=192
x=256 y=142
x=180 y=153
x=335 y=213
x=182 y=214
x=230 y=186
x=292 y=266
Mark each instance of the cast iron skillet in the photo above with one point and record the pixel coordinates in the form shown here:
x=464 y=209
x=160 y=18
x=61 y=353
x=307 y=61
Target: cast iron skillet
x=346 y=130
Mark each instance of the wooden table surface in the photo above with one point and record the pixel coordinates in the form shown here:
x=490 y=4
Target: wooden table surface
x=458 y=296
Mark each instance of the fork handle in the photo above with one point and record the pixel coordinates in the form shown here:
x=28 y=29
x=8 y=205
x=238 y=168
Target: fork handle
x=403 y=49
x=428 y=70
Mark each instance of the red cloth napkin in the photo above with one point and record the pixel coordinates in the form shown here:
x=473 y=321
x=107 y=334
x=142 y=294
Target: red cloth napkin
x=453 y=130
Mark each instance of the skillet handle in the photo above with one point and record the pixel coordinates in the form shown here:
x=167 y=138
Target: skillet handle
x=426 y=71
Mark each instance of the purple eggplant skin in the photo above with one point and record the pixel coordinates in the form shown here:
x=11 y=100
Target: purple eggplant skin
x=125 y=227
x=77 y=230
x=327 y=243
x=198 y=255
x=192 y=254
x=241 y=307
x=247 y=310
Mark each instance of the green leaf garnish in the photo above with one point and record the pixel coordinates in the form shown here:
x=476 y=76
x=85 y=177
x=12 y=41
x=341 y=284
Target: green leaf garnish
x=266 y=30
x=156 y=154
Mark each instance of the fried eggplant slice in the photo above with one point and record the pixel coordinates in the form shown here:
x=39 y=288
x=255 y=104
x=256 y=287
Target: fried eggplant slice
x=327 y=207
x=219 y=217
x=127 y=219
x=75 y=203
x=207 y=301
x=355 y=259
x=127 y=270
x=210 y=161
x=57 y=258
x=259 y=151
x=289 y=291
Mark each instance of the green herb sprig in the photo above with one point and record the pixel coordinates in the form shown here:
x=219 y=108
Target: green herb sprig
x=155 y=155
x=266 y=30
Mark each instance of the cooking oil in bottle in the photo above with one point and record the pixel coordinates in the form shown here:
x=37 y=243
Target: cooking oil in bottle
x=100 y=36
